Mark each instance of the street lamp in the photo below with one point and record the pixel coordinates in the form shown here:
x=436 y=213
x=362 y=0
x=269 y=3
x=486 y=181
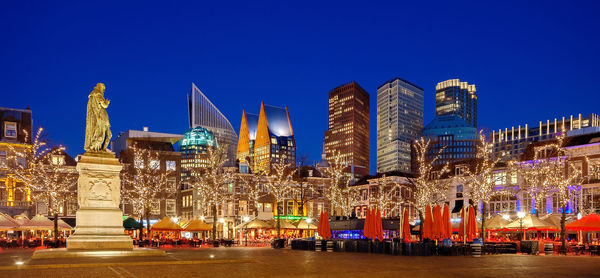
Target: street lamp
x=521 y=214
x=246 y=220
x=222 y=221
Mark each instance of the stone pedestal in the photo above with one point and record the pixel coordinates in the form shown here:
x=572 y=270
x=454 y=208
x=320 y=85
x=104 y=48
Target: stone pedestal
x=99 y=219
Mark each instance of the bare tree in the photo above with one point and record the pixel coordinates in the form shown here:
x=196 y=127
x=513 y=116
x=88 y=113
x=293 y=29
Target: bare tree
x=47 y=180
x=481 y=179
x=279 y=184
x=426 y=187
x=211 y=181
x=144 y=183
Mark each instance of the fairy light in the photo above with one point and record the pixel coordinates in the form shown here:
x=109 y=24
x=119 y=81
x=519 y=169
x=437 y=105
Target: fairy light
x=45 y=180
x=211 y=182
x=426 y=187
x=280 y=185
x=481 y=178
x=339 y=192
x=143 y=183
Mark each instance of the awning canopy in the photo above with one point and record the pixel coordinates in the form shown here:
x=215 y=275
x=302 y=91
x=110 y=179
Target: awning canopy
x=40 y=223
x=496 y=223
x=7 y=223
x=590 y=222
x=531 y=222
x=166 y=224
x=197 y=225
x=283 y=224
x=303 y=225
x=255 y=224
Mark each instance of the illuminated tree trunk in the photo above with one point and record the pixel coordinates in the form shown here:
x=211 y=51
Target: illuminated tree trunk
x=278 y=222
x=214 y=230
x=483 y=232
x=56 y=228
x=422 y=220
x=563 y=232
x=148 y=223
x=141 y=228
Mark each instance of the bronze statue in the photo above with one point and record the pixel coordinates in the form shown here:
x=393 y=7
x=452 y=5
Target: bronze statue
x=97 y=127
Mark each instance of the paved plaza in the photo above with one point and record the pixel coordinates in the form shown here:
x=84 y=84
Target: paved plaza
x=266 y=262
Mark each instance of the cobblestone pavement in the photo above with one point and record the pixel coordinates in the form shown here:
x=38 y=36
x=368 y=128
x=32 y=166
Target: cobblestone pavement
x=266 y=262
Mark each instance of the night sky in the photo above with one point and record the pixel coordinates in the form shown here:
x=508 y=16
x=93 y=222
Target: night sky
x=530 y=60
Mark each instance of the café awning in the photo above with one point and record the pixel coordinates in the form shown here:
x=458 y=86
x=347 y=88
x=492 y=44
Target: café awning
x=531 y=223
x=590 y=222
x=197 y=225
x=255 y=224
x=496 y=223
x=7 y=223
x=166 y=224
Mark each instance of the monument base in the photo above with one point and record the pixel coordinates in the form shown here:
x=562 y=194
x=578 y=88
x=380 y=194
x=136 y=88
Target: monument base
x=99 y=242
x=67 y=253
x=99 y=219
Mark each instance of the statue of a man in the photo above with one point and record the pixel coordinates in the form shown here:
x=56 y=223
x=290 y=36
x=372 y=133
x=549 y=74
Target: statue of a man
x=97 y=127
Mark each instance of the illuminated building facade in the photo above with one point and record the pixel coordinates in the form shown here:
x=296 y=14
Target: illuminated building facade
x=510 y=143
x=348 y=129
x=160 y=145
x=453 y=97
x=399 y=121
x=266 y=139
x=455 y=136
x=203 y=113
x=15 y=133
x=193 y=148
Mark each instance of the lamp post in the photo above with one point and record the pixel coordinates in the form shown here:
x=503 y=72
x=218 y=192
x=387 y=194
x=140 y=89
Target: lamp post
x=222 y=221
x=246 y=219
x=521 y=214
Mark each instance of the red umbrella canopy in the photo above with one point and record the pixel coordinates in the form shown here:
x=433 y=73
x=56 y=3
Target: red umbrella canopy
x=326 y=228
x=590 y=222
x=427 y=225
x=405 y=226
x=378 y=225
x=471 y=224
x=320 y=226
x=447 y=225
x=366 y=225
x=438 y=228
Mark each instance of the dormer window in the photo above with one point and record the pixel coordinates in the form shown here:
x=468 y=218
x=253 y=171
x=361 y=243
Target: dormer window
x=58 y=159
x=10 y=129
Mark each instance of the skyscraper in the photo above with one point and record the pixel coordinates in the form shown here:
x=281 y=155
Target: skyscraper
x=399 y=121
x=348 y=133
x=453 y=97
x=203 y=113
x=266 y=139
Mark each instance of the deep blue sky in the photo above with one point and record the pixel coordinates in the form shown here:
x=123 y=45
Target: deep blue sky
x=529 y=60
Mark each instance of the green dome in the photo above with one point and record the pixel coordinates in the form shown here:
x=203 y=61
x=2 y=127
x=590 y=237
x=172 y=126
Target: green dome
x=198 y=136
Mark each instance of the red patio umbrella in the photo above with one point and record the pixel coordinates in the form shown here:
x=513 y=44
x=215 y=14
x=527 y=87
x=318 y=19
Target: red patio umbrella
x=378 y=225
x=438 y=228
x=367 y=225
x=590 y=222
x=427 y=225
x=405 y=226
x=471 y=225
x=447 y=224
x=326 y=233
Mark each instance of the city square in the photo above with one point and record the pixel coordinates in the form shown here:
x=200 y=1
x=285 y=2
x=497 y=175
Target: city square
x=264 y=262
x=279 y=140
